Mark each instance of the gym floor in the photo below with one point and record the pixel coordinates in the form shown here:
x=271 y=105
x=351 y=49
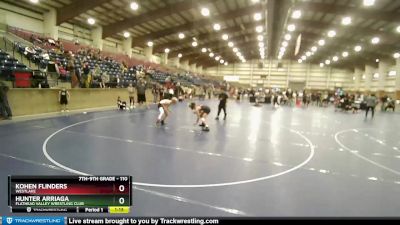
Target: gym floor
x=259 y=162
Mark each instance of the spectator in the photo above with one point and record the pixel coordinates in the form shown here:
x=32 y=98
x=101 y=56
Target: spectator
x=155 y=91
x=141 y=92
x=85 y=75
x=5 y=110
x=131 y=96
x=105 y=78
x=121 y=104
x=391 y=104
x=371 y=103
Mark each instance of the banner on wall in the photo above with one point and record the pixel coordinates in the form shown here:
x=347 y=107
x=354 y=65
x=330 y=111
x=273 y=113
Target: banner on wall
x=231 y=78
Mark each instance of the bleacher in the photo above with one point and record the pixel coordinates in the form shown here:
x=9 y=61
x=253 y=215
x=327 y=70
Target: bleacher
x=112 y=68
x=13 y=70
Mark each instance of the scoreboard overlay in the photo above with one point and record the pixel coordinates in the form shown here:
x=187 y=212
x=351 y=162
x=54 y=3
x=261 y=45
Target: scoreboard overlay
x=75 y=194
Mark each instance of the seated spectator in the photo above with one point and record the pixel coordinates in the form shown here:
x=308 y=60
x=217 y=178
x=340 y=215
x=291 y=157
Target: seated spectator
x=391 y=104
x=45 y=56
x=62 y=71
x=121 y=104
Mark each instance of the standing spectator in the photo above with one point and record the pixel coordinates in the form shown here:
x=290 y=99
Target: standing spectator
x=141 y=92
x=85 y=77
x=105 y=78
x=131 y=96
x=155 y=92
x=5 y=110
x=371 y=103
x=63 y=98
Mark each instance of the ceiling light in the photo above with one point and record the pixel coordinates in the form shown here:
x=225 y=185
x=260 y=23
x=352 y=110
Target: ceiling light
x=398 y=29
x=369 y=2
x=282 y=49
x=181 y=35
x=285 y=44
x=134 y=6
x=257 y=16
x=238 y=54
x=203 y=50
x=327 y=62
x=179 y=55
x=331 y=33
x=303 y=57
x=321 y=42
x=217 y=58
x=217 y=27
x=392 y=73
x=150 y=44
x=91 y=21
x=321 y=65
x=345 y=54
x=376 y=75
x=396 y=55
x=34 y=1
x=314 y=48
x=288 y=37
x=308 y=54
x=375 y=40
x=279 y=57
x=126 y=34
x=225 y=37
x=300 y=61
x=354 y=78
x=335 y=58
x=291 y=27
x=261 y=44
x=357 y=48
x=205 y=11
x=235 y=49
x=166 y=50
x=230 y=44
x=260 y=37
x=194 y=44
x=226 y=63
x=377 y=60
x=296 y=14
x=221 y=61
x=363 y=76
x=346 y=20
x=259 y=29
x=211 y=54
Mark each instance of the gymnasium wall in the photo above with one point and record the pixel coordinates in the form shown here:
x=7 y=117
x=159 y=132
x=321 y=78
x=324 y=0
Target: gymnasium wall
x=18 y=17
x=39 y=101
x=268 y=74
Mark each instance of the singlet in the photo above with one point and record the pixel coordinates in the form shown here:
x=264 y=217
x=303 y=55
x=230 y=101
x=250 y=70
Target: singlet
x=165 y=102
x=63 y=95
